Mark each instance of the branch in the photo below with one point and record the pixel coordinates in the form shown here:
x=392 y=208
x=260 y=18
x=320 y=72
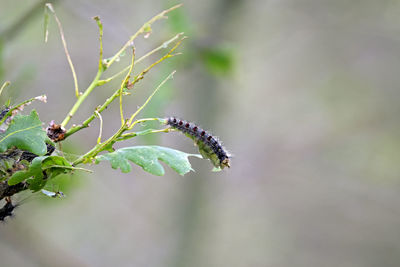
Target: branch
x=85 y=124
x=107 y=145
x=130 y=122
x=162 y=46
x=104 y=65
x=145 y=28
x=97 y=19
x=127 y=136
x=9 y=190
x=26 y=102
x=124 y=84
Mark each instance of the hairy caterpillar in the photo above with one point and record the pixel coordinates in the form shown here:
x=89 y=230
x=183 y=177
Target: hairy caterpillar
x=209 y=146
x=7 y=209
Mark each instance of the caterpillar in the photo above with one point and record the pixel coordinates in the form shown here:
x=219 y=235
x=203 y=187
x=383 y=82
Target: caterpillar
x=7 y=209
x=209 y=146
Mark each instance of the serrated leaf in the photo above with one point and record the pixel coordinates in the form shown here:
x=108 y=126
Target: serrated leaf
x=148 y=158
x=25 y=132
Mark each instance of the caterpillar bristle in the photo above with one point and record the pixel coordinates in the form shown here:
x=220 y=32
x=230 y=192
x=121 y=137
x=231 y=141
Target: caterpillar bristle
x=209 y=146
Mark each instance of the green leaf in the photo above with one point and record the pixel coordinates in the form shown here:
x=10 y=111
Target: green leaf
x=25 y=132
x=219 y=60
x=55 y=165
x=34 y=170
x=148 y=158
x=41 y=167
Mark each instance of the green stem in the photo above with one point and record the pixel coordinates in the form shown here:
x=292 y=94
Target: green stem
x=134 y=134
x=162 y=46
x=5 y=84
x=142 y=29
x=85 y=124
x=9 y=113
x=95 y=81
x=64 y=42
x=140 y=76
x=82 y=98
x=130 y=121
x=100 y=147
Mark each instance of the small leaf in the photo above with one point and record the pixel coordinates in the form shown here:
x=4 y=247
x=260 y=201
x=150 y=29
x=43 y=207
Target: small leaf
x=41 y=168
x=148 y=158
x=25 y=132
x=147 y=30
x=55 y=165
x=34 y=171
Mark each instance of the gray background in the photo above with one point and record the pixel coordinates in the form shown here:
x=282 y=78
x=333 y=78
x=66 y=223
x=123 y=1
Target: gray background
x=310 y=112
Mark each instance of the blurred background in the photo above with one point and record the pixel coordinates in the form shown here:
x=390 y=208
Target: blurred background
x=304 y=93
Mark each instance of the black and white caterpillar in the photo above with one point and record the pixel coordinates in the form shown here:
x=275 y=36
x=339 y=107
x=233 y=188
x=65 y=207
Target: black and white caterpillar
x=209 y=146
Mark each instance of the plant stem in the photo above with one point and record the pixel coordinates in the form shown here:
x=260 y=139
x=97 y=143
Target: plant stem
x=134 y=134
x=140 y=76
x=127 y=125
x=9 y=113
x=100 y=25
x=142 y=29
x=124 y=84
x=50 y=7
x=101 y=127
x=100 y=147
x=85 y=124
x=130 y=122
x=82 y=98
x=5 y=84
x=162 y=46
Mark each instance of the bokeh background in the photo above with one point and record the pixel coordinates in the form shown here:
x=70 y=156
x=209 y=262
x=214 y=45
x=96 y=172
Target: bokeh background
x=305 y=93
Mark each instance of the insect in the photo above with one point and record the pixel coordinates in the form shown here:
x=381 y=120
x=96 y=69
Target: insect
x=209 y=146
x=57 y=194
x=7 y=209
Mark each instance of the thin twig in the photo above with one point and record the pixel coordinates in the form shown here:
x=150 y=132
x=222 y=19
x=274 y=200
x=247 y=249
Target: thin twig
x=148 y=99
x=168 y=55
x=127 y=136
x=100 y=147
x=50 y=7
x=95 y=81
x=5 y=84
x=124 y=84
x=160 y=47
x=101 y=127
x=89 y=156
x=116 y=93
x=67 y=167
x=80 y=100
x=97 y=19
x=142 y=29
x=10 y=112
